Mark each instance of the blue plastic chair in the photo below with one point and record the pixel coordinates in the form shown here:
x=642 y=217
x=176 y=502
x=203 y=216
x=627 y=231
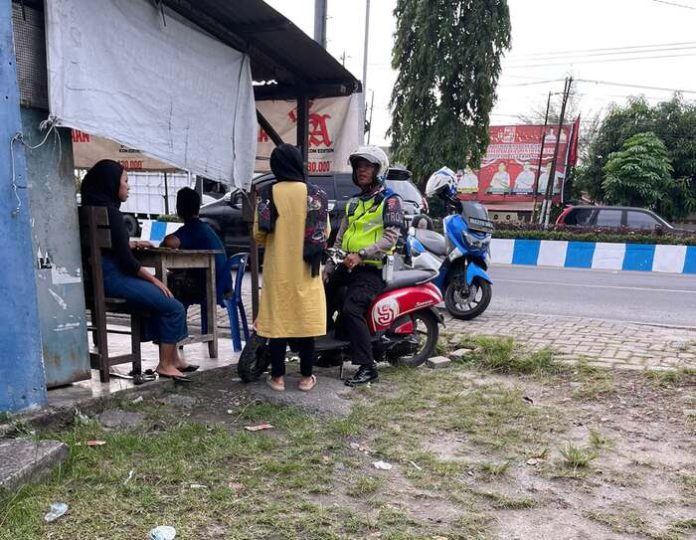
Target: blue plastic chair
x=235 y=304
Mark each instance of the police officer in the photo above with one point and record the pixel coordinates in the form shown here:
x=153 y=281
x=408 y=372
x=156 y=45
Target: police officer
x=369 y=232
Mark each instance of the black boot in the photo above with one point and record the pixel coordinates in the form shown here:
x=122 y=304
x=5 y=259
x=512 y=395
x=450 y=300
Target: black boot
x=367 y=373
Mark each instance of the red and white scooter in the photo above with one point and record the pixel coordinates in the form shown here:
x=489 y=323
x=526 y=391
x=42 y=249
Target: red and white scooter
x=403 y=321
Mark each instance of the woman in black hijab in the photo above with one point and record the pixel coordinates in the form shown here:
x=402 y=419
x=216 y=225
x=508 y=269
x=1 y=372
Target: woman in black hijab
x=292 y=223
x=106 y=184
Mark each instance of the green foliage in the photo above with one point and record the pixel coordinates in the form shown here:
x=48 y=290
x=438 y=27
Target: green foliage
x=448 y=55
x=640 y=174
x=674 y=122
x=172 y=218
x=616 y=236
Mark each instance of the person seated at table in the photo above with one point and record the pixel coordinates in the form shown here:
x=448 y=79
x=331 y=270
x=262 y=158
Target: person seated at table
x=106 y=184
x=195 y=234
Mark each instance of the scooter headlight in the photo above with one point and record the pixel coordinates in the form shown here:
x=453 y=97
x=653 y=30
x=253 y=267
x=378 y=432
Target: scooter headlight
x=473 y=242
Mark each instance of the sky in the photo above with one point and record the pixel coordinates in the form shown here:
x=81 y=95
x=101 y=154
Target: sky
x=644 y=43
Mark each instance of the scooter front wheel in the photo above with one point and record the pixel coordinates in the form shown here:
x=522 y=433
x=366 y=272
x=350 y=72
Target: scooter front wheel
x=254 y=359
x=466 y=305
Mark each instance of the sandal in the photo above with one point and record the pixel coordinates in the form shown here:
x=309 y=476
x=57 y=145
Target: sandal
x=308 y=387
x=278 y=387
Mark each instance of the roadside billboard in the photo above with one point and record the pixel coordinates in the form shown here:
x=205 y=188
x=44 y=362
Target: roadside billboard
x=509 y=170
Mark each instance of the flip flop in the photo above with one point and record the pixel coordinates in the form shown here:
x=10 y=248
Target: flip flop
x=175 y=378
x=308 y=388
x=189 y=369
x=274 y=385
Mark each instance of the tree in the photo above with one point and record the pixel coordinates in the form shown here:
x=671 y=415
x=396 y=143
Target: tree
x=448 y=55
x=673 y=121
x=640 y=174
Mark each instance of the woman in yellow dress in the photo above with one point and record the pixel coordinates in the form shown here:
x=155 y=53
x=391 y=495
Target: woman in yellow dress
x=292 y=223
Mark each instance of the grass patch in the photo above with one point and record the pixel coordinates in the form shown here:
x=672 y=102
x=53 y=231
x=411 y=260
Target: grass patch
x=599 y=441
x=367 y=485
x=495 y=469
x=503 y=502
x=502 y=355
x=575 y=457
x=677 y=530
x=628 y=521
x=671 y=378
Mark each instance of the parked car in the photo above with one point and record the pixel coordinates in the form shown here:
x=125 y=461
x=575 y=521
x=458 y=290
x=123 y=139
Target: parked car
x=613 y=216
x=225 y=214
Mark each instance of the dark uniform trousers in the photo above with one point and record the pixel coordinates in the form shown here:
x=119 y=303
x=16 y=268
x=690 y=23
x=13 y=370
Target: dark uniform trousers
x=362 y=284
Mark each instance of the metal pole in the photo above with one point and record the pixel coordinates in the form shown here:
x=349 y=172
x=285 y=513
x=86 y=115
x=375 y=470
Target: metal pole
x=372 y=106
x=248 y=213
x=166 y=194
x=303 y=127
x=367 y=40
x=541 y=158
x=268 y=128
x=552 y=173
x=320 y=22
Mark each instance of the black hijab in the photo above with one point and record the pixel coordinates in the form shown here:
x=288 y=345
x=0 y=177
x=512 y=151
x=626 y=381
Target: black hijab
x=287 y=164
x=101 y=184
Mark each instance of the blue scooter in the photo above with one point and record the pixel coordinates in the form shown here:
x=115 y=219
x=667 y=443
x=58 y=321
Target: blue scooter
x=461 y=256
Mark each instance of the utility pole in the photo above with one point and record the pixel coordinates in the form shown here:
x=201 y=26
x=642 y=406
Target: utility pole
x=320 y=22
x=546 y=210
x=541 y=158
x=372 y=106
x=364 y=79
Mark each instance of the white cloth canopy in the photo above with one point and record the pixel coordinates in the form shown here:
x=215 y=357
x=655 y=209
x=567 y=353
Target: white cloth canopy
x=118 y=70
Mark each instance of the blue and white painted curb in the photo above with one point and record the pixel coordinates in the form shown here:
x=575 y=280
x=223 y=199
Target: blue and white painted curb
x=595 y=255
x=155 y=231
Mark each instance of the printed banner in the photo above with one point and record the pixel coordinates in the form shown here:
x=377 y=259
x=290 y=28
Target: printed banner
x=334 y=131
x=88 y=149
x=509 y=171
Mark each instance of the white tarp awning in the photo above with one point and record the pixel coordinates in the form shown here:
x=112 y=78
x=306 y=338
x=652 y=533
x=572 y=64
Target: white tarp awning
x=117 y=70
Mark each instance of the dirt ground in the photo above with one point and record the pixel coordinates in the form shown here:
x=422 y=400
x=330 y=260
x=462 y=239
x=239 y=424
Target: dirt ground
x=485 y=448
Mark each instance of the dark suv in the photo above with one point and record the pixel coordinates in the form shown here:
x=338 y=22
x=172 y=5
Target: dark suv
x=612 y=216
x=225 y=214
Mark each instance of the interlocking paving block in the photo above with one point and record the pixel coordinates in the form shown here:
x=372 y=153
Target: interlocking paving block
x=438 y=362
x=23 y=461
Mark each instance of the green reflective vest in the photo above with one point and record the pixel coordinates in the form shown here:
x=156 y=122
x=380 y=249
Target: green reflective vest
x=365 y=226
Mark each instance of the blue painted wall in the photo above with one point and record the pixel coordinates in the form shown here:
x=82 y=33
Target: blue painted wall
x=22 y=382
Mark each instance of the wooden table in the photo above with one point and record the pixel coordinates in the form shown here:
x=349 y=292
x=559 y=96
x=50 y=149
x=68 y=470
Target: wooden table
x=164 y=259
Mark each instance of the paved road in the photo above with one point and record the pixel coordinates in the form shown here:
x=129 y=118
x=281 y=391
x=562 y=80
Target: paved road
x=620 y=296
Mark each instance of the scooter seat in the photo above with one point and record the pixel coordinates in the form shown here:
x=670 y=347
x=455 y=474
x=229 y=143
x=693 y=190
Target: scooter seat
x=433 y=242
x=408 y=278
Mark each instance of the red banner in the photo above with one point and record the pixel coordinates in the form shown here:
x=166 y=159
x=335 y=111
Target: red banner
x=509 y=171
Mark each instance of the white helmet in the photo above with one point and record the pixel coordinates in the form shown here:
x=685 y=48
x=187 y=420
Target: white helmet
x=443 y=178
x=373 y=154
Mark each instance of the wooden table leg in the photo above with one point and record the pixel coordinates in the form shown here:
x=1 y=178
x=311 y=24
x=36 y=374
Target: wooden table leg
x=212 y=307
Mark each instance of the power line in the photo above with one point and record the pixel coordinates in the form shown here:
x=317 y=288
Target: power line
x=668 y=3
x=604 y=49
x=602 y=61
x=555 y=56
x=638 y=86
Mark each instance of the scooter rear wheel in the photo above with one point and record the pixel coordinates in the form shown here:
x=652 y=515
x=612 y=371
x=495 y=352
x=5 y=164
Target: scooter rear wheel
x=427 y=331
x=255 y=358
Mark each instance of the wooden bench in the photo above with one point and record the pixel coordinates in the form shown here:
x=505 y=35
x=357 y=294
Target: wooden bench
x=95 y=236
